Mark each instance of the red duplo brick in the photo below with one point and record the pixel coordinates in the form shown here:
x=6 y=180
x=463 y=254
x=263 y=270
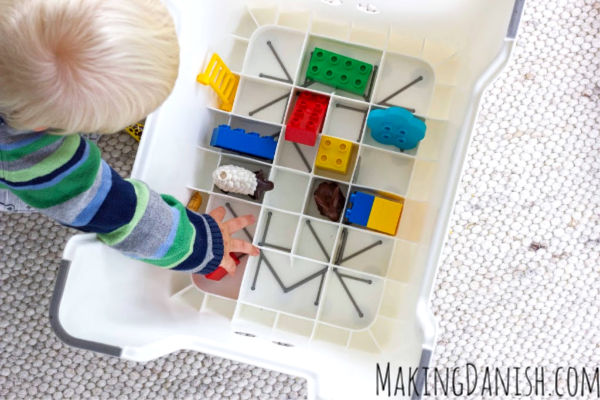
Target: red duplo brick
x=307 y=118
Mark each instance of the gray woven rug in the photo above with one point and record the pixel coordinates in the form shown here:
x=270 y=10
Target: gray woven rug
x=519 y=282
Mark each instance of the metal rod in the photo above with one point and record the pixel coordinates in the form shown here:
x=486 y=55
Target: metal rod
x=314 y=233
x=260 y=258
x=356 y=169
x=235 y=215
x=340 y=253
x=320 y=289
x=305 y=280
x=287 y=74
x=273 y=78
x=264 y=235
x=277 y=278
x=276 y=247
x=362 y=127
x=338 y=105
x=402 y=89
x=360 y=313
x=412 y=110
x=356 y=278
x=372 y=83
x=304 y=160
x=359 y=252
x=251 y=113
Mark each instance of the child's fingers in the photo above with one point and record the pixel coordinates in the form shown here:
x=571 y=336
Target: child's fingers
x=218 y=214
x=235 y=224
x=241 y=246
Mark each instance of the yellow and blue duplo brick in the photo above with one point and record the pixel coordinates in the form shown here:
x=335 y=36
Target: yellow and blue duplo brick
x=385 y=216
x=374 y=212
x=334 y=154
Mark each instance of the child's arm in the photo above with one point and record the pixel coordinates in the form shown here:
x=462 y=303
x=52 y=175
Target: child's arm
x=65 y=178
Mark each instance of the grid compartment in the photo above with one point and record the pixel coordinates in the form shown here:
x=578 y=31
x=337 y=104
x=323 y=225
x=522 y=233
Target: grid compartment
x=297 y=156
x=277 y=230
x=325 y=173
x=368 y=139
x=354 y=308
x=399 y=83
x=308 y=245
x=363 y=251
x=240 y=161
x=311 y=208
x=289 y=191
x=271 y=45
x=215 y=118
x=384 y=170
x=262 y=99
x=361 y=53
x=346 y=119
x=206 y=163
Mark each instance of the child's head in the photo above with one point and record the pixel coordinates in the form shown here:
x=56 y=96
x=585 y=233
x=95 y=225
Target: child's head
x=84 y=65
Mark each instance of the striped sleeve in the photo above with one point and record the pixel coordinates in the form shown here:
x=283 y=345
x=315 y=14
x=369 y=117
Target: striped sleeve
x=65 y=178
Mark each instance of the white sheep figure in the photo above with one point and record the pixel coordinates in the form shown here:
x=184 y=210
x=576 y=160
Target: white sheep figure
x=234 y=179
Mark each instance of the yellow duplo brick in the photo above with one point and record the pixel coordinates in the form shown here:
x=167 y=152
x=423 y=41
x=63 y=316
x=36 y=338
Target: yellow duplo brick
x=385 y=216
x=334 y=154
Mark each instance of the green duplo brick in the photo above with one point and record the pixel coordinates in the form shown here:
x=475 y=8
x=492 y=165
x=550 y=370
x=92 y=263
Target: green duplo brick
x=339 y=71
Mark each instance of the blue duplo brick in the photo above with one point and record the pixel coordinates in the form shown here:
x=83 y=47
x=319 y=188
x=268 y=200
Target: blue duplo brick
x=359 y=208
x=246 y=143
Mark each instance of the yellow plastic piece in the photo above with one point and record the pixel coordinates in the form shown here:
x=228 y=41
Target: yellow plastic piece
x=385 y=216
x=135 y=130
x=222 y=80
x=195 y=202
x=334 y=154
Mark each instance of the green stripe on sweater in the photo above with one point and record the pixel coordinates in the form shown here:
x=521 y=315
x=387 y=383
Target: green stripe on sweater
x=118 y=235
x=43 y=141
x=70 y=186
x=183 y=245
x=51 y=163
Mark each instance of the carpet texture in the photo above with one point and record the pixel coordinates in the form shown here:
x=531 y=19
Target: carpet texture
x=519 y=282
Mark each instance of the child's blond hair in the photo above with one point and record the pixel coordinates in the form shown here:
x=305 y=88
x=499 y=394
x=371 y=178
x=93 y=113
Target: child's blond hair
x=84 y=65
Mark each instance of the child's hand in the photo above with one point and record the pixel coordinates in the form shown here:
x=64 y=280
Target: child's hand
x=230 y=244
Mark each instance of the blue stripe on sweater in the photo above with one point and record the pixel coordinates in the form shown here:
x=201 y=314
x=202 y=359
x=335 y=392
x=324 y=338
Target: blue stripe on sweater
x=117 y=209
x=20 y=143
x=51 y=179
x=199 y=253
x=86 y=215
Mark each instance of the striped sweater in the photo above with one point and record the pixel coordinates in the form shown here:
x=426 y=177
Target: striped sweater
x=65 y=178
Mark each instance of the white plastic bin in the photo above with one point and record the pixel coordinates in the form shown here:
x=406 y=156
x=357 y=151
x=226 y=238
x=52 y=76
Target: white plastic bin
x=106 y=302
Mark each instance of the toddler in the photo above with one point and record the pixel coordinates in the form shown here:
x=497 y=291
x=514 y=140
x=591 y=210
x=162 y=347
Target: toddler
x=96 y=66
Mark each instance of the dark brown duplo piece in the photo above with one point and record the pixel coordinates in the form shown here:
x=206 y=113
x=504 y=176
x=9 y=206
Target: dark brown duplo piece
x=330 y=200
x=262 y=185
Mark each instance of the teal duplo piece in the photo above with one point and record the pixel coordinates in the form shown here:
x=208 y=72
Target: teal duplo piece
x=396 y=126
x=339 y=71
